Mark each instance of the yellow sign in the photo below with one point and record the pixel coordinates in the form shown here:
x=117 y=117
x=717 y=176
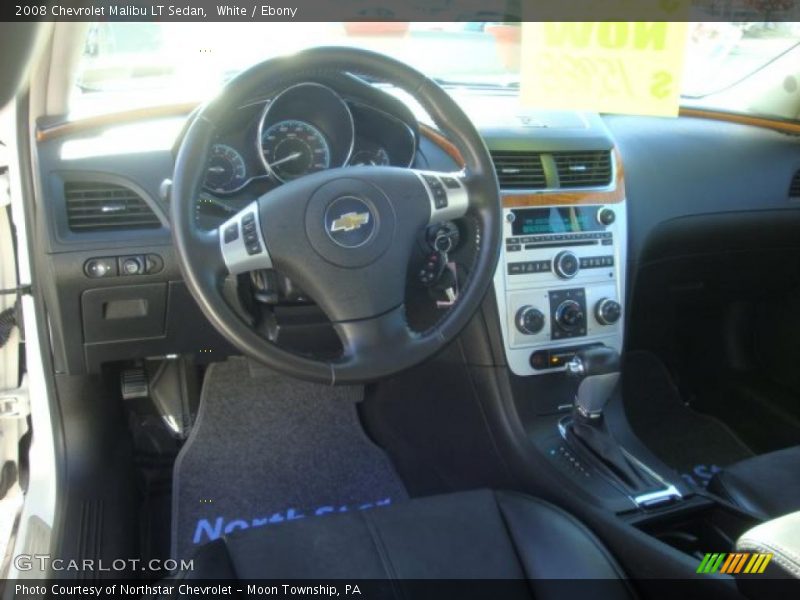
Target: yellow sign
x=615 y=67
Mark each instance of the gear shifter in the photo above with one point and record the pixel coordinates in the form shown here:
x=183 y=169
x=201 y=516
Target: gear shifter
x=599 y=369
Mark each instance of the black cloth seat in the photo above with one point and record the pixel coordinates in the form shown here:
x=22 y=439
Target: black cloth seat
x=469 y=535
x=767 y=485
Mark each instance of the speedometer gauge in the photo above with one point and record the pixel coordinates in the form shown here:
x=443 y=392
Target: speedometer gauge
x=294 y=148
x=226 y=170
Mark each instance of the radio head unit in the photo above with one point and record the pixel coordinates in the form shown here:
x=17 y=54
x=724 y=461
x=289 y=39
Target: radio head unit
x=559 y=219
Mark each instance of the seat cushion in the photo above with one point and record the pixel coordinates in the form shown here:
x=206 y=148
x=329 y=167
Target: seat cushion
x=779 y=537
x=767 y=485
x=478 y=534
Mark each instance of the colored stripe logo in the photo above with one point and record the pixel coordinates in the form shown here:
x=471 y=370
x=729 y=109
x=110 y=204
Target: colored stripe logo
x=735 y=563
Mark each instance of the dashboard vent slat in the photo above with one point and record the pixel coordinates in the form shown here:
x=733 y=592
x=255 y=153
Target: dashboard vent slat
x=583 y=169
x=97 y=206
x=519 y=170
x=794 y=187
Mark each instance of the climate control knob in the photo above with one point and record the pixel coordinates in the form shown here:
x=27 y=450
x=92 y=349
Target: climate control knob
x=607 y=311
x=569 y=315
x=566 y=264
x=529 y=320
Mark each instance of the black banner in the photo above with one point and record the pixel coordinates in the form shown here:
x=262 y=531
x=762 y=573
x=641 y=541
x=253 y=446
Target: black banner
x=401 y=10
x=702 y=587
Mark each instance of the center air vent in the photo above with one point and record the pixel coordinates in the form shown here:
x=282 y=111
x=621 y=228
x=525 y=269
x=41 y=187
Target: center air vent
x=583 y=169
x=95 y=206
x=519 y=170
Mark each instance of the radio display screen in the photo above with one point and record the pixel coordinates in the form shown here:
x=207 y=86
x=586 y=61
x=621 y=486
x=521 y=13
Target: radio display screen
x=566 y=219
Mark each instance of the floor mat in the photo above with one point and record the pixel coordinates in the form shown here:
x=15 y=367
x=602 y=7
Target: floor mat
x=267 y=449
x=693 y=444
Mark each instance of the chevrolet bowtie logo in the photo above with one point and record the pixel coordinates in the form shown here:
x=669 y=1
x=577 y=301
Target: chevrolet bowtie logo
x=349 y=221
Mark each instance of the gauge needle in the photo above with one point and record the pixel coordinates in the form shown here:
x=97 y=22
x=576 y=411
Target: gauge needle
x=292 y=156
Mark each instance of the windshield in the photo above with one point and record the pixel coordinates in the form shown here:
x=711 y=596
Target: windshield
x=132 y=65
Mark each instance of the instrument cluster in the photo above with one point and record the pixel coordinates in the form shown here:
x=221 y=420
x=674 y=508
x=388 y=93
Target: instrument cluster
x=307 y=127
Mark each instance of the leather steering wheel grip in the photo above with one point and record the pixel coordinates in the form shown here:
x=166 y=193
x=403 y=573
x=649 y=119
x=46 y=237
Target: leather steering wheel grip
x=376 y=345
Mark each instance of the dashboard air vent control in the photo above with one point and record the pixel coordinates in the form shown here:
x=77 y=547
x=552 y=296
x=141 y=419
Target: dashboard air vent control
x=97 y=206
x=583 y=169
x=519 y=170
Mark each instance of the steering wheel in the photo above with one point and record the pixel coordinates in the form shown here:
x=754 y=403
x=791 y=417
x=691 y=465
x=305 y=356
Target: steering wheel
x=344 y=235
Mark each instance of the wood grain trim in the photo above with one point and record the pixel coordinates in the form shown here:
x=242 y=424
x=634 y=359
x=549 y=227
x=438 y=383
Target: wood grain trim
x=440 y=140
x=511 y=200
x=107 y=120
x=612 y=196
x=178 y=110
x=776 y=124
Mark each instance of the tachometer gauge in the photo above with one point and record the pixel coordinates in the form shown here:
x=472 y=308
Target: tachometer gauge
x=376 y=156
x=294 y=148
x=226 y=170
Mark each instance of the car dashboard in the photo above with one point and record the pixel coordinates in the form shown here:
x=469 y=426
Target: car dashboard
x=583 y=198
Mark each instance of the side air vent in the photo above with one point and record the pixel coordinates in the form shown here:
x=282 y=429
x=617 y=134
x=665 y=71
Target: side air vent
x=95 y=206
x=794 y=187
x=583 y=169
x=519 y=170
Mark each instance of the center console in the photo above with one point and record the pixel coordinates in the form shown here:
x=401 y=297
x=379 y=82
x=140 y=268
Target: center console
x=560 y=293
x=560 y=284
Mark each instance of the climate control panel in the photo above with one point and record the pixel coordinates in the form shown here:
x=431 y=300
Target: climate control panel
x=560 y=283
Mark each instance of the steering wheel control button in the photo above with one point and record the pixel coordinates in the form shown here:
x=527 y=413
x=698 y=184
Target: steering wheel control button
x=437 y=190
x=568 y=313
x=242 y=243
x=450 y=183
x=566 y=265
x=529 y=320
x=447 y=194
x=250 y=234
x=97 y=268
x=231 y=233
x=607 y=311
x=350 y=222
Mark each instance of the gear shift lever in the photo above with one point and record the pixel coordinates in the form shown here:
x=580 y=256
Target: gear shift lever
x=599 y=369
